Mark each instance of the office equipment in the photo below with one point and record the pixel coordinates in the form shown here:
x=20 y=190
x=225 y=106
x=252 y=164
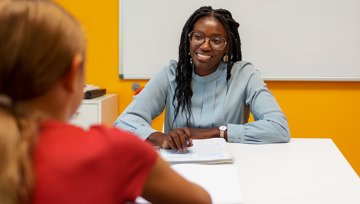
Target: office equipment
x=206 y=151
x=284 y=39
x=100 y=110
x=94 y=93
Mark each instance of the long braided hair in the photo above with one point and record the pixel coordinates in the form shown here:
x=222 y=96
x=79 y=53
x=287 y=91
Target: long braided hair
x=183 y=92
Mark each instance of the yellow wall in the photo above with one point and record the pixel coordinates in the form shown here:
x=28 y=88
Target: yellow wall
x=314 y=109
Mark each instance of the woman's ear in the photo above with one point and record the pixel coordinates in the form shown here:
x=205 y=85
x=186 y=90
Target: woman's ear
x=75 y=75
x=227 y=47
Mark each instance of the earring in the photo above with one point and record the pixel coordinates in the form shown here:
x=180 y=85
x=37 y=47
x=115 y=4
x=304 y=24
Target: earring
x=225 y=58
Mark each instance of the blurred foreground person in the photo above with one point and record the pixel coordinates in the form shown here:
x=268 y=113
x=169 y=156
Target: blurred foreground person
x=43 y=159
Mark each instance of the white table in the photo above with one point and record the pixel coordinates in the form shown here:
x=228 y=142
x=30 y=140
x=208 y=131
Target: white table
x=302 y=171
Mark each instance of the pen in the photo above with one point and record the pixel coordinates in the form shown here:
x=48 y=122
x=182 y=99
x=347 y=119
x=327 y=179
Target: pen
x=187 y=141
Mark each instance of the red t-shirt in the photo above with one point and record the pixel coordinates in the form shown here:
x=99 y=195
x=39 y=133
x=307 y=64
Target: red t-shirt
x=101 y=165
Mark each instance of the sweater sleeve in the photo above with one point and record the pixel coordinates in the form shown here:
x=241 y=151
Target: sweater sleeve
x=270 y=124
x=146 y=106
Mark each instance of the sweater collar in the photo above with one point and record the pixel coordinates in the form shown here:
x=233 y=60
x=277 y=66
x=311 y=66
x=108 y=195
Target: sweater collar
x=210 y=77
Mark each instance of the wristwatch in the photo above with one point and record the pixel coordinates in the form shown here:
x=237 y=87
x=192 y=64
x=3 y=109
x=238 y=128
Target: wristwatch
x=222 y=131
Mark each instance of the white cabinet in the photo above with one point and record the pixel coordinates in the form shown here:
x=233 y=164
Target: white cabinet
x=100 y=110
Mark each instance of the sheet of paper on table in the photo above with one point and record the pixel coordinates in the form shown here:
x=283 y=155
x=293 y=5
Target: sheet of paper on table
x=205 y=151
x=223 y=188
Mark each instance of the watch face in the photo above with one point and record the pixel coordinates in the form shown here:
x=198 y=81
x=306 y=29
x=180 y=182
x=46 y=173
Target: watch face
x=222 y=128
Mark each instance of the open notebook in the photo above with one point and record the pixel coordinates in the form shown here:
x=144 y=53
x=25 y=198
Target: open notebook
x=205 y=151
x=220 y=181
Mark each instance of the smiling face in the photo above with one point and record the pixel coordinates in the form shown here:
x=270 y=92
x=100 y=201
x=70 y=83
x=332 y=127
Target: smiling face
x=206 y=60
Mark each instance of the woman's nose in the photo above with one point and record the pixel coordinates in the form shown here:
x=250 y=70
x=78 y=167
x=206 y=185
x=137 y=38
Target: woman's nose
x=206 y=45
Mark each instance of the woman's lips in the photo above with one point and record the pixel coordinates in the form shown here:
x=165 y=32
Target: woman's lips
x=203 y=56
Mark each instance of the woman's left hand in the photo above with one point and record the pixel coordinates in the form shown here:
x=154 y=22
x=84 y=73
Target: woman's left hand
x=197 y=133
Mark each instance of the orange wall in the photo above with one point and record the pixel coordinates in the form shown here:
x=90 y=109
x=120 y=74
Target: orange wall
x=314 y=109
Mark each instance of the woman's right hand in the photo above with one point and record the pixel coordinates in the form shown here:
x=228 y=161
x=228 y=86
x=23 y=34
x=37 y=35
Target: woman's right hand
x=177 y=139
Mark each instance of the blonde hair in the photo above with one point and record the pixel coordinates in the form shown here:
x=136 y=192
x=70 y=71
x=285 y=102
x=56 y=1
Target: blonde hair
x=38 y=41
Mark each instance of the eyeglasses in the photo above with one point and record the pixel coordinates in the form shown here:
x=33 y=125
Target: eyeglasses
x=198 y=38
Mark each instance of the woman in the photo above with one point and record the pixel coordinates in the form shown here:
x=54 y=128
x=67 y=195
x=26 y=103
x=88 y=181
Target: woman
x=208 y=93
x=43 y=159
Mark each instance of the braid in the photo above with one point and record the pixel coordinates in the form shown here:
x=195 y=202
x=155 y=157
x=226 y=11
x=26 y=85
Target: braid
x=183 y=92
x=231 y=27
x=184 y=69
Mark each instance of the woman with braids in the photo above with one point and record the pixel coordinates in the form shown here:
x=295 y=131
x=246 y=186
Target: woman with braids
x=208 y=93
x=43 y=159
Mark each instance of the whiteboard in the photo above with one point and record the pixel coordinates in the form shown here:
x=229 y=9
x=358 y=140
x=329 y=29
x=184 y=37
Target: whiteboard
x=284 y=39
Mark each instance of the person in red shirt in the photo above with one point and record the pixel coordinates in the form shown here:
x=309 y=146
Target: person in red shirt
x=43 y=159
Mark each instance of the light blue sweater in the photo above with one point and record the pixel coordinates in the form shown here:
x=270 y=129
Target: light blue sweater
x=215 y=102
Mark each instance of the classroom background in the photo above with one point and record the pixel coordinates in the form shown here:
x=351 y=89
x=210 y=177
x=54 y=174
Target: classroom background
x=313 y=109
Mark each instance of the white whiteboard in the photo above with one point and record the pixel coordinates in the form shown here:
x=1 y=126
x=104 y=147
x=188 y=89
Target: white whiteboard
x=284 y=39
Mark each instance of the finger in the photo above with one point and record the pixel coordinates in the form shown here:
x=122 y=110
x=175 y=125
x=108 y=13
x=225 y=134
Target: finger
x=184 y=138
x=191 y=142
x=188 y=135
x=176 y=139
x=171 y=143
x=184 y=141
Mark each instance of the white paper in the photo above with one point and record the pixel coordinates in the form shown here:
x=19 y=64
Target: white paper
x=211 y=150
x=220 y=181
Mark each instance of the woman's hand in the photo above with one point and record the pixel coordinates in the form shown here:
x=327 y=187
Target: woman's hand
x=177 y=139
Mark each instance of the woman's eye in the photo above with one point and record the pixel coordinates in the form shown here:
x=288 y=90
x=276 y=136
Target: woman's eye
x=216 y=41
x=198 y=37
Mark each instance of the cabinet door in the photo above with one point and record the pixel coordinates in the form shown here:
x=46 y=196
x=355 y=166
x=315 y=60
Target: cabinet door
x=86 y=115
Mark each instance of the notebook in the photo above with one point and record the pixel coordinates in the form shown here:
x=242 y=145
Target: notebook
x=205 y=151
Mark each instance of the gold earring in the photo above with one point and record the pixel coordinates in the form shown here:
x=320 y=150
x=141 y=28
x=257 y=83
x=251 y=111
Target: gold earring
x=225 y=58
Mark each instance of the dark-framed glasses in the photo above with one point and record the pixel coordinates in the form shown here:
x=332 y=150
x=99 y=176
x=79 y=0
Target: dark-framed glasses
x=198 y=38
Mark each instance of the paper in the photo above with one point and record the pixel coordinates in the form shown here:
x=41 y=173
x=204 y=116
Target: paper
x=220 y=181
x=212 y=150
x=90 y=88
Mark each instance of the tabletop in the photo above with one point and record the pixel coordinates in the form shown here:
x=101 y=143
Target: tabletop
x=301 y=171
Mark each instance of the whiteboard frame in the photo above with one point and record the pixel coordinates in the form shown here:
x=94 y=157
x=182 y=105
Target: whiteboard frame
x=271 y=78
x=121 y=76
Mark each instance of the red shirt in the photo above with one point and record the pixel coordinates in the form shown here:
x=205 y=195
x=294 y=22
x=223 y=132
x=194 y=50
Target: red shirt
x=101 y=165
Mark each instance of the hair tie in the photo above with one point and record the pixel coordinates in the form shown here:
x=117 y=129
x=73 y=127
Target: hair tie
x=5 y=100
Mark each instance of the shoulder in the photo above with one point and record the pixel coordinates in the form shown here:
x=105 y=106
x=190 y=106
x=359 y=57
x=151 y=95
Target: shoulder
x=243 y=68
x=98 y=138
x=120 y=139
x=168 y=71
x=107 y=157
x=166 y=75
x=243 y=72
